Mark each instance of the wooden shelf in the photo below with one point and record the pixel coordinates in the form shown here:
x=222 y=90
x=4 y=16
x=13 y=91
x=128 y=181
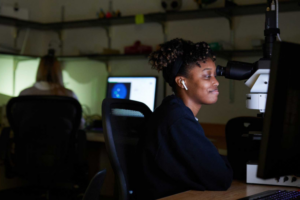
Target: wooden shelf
x=288 y=6
x=17 y=56
x=106 y=58
x=226 y=54
x=222 y=54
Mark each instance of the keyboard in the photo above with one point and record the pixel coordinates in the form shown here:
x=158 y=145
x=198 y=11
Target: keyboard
x=274 y=194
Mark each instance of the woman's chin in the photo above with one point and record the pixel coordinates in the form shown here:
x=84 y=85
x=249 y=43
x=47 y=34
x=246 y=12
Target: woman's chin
x=211 y=101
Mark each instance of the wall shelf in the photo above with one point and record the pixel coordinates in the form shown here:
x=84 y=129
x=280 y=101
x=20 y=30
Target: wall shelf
x=105 y=58
x=288 y=6
x=226 y=54
x=17 y=56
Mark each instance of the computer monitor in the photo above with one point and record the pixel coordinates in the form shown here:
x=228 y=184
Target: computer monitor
x=142 y=89
x=280 y=144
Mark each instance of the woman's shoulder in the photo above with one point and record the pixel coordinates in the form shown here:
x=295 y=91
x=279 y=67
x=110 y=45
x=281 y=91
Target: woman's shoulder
x=173 y=104
x=27 y=91
x=171 y=110
x=70 y=93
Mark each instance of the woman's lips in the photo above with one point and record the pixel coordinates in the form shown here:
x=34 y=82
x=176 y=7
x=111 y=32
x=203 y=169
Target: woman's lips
x=214 y=91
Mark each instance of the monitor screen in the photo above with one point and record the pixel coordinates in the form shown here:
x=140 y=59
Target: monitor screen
x=142 y=89
x=280 y=148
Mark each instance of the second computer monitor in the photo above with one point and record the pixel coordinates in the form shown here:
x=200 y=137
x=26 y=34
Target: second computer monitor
x=142 y=89
x=280 y=145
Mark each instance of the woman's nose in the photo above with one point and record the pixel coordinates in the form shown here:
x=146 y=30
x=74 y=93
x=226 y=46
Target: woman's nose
x=215 y=82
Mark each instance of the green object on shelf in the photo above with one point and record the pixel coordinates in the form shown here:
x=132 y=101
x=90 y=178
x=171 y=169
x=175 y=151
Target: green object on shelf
x=139 y=19
x=215 y=46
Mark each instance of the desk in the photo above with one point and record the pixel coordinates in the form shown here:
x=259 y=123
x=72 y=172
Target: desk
x=94 y=137
x=237 y=190
x=7 y=183
x=219 y=142
x=98 y=159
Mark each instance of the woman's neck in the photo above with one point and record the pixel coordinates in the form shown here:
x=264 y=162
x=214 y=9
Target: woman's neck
x=188 y=102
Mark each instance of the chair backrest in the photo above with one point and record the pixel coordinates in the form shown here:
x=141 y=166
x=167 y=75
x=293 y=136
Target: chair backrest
x=44 y=129
x=123 y=123
x=93 y=190
x=243 y=136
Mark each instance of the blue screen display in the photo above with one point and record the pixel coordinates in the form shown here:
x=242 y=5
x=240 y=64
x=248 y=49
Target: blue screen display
x=119 y=91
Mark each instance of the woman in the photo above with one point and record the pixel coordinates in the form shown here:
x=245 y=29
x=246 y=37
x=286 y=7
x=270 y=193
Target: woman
x=176 y=155
x=49 y=81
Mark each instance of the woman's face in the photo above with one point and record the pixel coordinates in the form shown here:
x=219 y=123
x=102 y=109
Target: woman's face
x=202 y=83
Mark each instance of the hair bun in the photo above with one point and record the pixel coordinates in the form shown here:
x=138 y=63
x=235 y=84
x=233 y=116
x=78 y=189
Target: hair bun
x=167 y=54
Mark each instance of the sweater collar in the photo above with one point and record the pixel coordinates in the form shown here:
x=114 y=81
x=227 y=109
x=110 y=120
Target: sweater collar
x=173 y=96
x=42 y=85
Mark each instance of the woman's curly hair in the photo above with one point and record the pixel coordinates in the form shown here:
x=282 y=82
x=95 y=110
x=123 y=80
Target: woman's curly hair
x=190 y=53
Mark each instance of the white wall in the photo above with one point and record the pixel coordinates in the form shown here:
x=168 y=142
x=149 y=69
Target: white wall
x=94 y=40
x=88 y=80
x=6 y=76
x=25 y=75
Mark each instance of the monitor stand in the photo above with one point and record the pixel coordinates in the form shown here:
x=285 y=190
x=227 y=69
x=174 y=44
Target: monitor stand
x=291 y=181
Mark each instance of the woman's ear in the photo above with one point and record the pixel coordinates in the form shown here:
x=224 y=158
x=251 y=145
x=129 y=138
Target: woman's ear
x=179 y=80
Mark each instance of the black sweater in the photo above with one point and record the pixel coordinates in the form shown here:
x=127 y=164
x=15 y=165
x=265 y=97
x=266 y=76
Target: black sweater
x=176 y=156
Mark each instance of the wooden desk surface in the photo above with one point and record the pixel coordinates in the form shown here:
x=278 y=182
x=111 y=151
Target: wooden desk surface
x=215 y=132
x=95 y=137
x=237 y=190
x=219 y=142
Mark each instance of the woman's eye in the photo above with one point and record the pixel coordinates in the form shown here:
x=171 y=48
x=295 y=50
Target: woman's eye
x=207 y=76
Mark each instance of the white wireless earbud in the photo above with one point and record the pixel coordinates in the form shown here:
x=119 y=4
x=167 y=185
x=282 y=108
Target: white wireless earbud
x=183 y=83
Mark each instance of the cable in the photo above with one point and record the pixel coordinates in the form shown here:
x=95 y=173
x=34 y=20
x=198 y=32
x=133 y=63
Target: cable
x=277 y=8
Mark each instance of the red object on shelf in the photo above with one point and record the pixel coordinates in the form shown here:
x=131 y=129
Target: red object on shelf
x=138 y=48
x=108 y=15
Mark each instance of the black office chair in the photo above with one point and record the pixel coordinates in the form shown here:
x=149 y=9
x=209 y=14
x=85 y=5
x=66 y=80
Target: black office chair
x=243 y=135
x=93 y=190
x=123 y=123
x=48 y=148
